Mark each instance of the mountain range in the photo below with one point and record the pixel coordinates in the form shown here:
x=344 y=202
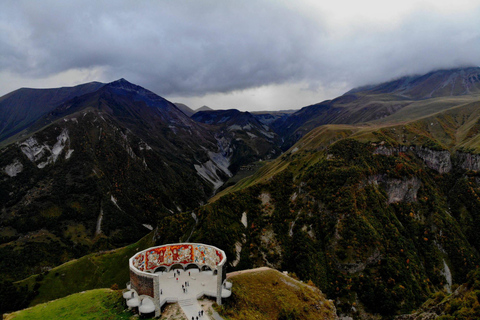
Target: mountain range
x=373 y=196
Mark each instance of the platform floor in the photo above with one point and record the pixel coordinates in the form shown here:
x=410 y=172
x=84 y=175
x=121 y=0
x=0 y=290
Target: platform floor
x=198 y=284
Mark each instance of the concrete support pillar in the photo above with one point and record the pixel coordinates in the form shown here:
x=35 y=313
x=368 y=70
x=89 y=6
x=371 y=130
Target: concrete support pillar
x=156 y=291
x=219 y=284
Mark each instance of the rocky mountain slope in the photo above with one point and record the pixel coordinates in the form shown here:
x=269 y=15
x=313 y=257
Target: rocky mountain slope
x=21 y=108
x=377 y=200
x=97 y=172
x=250 y=139
x=368 y=213
x=185 y=109
x=439 y=83
x=404 y=99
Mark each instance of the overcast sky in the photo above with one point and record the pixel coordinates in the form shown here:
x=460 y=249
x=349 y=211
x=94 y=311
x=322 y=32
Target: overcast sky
x=249 y=55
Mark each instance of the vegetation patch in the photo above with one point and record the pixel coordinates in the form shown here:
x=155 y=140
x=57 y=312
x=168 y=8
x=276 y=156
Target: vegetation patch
x=94 y=304
x=269 y=294
x=97 y=270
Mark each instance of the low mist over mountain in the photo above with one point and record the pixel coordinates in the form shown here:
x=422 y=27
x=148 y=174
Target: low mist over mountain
x=402 y=99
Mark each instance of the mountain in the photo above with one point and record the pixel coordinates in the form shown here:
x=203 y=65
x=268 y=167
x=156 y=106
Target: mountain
x=250 y=139
x=376 y=201
x=20 y=108
x=369 y=213
x=185 y=109
x=204 y=108
x=460 y=304
x=97 y=172
x=439 y=83
x=403 y=99
x=260 y=294
x=268 y=117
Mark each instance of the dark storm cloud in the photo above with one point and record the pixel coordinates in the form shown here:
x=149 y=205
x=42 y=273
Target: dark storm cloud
x=198 y=47
x=190 y=47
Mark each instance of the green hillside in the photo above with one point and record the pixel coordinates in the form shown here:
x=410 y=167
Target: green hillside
x=95 y=304
x=262 y=294
x=462 y=304
x=269 y=294
x=97 y=270
x=368 y=213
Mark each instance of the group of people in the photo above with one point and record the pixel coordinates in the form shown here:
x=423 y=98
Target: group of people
x=184 y=286
x=200 y=314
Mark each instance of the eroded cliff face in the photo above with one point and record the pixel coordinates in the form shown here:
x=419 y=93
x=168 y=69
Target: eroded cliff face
x=366 y=223
x=468 y=161
x=439 y=161
x=404 y=189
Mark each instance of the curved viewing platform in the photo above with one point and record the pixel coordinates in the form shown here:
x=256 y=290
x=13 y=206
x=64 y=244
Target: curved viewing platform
x=181 y=272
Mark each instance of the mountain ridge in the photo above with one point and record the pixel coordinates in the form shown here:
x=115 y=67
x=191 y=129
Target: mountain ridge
x=21 y=108
x=373 y=103
x=376 y=199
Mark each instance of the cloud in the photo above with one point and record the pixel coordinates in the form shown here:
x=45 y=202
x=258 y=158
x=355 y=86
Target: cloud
x=213 y=48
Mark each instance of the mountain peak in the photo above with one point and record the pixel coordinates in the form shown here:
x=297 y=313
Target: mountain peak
x=122 y=83
x=204 y=108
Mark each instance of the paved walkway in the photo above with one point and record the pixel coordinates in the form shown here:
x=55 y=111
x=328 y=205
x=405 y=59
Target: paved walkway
x=215 y=315
x=196 y=284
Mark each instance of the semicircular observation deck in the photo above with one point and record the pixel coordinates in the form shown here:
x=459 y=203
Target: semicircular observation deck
x=177 y=272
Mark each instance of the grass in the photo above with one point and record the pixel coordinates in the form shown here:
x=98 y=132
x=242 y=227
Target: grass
x=456 y=126
x=265 y=294
x=245 y=172
x=427 y=107
x=94 y=304
x=269 y=294
x=98 y=270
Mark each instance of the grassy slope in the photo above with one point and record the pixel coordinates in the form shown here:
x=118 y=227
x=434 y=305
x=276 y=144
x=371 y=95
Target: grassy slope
x=423 y=108
x=266 y=294
x=269 y=294
x=94 y=304
x=451 y=129
x=98 y=270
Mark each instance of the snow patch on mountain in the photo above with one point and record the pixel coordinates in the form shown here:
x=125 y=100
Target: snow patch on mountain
x=208 y=171
x=234 y=127
x=213 y=169
x=127 y=147
x=13 y=169
x=69 y=154
x=244 y=219
x=112 y=198
x=98 y=228
x=448 y=276
x=142 y=145
x=32 y=149
x=36 y=151
x=270 y=135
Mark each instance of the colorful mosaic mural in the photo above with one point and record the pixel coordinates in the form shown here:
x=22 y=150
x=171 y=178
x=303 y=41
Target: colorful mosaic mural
x=182 y=253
